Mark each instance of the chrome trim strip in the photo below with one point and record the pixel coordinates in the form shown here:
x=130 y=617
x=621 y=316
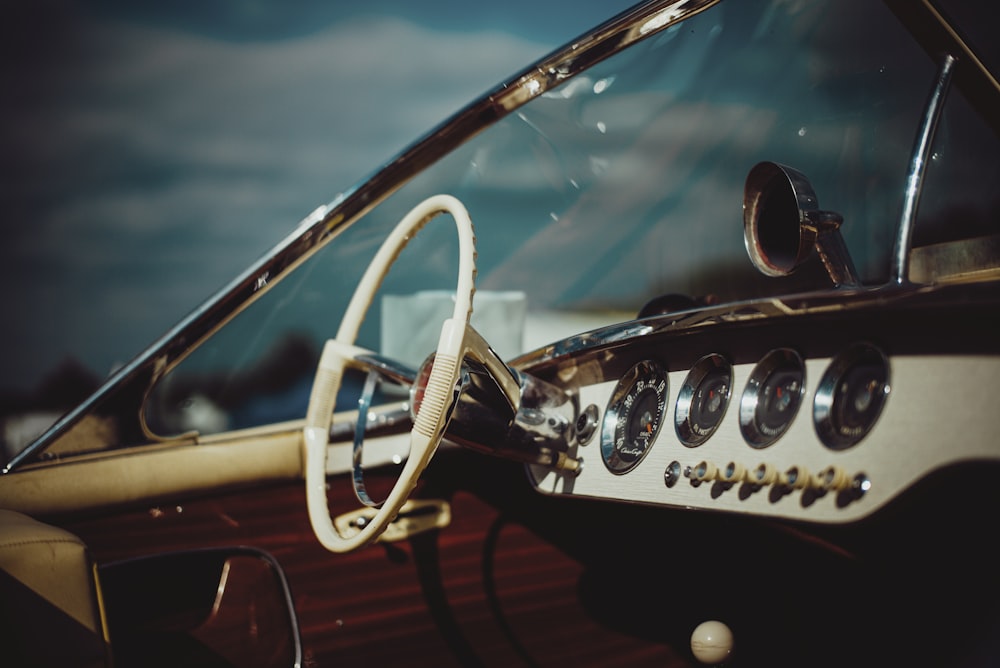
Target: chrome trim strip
x=364 y=403
x=918 y=166
x=327 y=221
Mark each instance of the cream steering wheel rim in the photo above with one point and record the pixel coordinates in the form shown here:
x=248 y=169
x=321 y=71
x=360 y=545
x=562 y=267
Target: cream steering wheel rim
x=430 y=422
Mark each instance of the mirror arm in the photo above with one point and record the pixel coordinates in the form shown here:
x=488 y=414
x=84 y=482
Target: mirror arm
x=832 y=249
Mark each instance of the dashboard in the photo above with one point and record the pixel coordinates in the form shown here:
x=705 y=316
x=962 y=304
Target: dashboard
x=822 y=411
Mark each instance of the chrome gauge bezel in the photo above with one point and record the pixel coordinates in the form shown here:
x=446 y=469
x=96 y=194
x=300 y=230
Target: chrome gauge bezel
x=834 y=394
x=689 y=417
x=782 y=365
x=621 y=416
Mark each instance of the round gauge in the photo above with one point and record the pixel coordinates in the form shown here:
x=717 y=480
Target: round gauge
x=772 y=397
x=851 y=395
x=703 y=399
x=633 y=416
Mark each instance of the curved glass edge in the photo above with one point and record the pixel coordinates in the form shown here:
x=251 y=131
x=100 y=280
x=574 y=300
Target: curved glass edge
x=128 y=387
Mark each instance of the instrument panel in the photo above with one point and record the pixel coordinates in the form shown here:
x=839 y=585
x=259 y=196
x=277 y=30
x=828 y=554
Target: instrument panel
x=828 y=438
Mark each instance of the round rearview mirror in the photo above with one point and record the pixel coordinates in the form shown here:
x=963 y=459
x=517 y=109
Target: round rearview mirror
x=782 y=224
x=776 y=227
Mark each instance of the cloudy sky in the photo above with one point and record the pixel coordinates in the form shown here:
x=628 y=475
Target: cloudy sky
x=150 y=151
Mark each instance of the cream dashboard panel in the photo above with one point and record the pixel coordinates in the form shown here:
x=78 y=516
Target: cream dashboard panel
x=939 y=410
x=165 y=472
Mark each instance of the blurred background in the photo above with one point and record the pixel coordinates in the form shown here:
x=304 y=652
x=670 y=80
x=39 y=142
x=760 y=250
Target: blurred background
x=150 y=151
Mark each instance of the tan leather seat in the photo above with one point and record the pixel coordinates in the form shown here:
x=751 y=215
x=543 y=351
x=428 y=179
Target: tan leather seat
x=50 y=609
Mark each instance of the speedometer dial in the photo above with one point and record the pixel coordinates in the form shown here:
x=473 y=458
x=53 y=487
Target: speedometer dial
x=634 y=416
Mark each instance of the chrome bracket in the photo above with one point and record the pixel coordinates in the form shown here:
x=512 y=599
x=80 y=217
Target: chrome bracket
x=416 y=516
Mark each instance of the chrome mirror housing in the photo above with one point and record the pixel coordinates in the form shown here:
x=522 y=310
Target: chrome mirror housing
x=782 y=224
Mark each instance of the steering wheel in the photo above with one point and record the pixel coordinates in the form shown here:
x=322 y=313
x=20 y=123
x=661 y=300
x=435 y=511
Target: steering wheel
x=339 y=353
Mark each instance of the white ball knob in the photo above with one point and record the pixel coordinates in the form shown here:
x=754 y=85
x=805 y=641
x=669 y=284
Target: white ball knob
x=712 y=642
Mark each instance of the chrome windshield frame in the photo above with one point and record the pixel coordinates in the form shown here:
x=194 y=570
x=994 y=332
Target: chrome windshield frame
x=918 y=167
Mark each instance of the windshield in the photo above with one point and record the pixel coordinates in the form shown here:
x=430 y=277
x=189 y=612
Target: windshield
x=620 y=185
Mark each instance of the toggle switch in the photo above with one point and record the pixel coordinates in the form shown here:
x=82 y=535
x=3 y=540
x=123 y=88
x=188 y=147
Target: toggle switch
x=764 y=474
x=796 y=477
x=733 y=472
x=703 y=472
x=833 y=478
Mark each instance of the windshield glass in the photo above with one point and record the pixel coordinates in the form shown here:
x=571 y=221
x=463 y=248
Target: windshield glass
x=622 y=184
